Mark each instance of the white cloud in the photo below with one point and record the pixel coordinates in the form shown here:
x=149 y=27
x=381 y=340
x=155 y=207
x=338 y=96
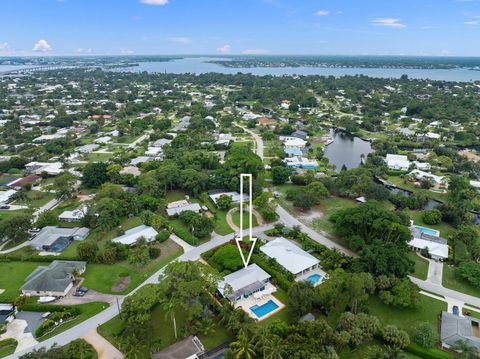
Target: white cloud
x=81 y=51
x=154 y=2
x=472 y=22
x=390 y=22
x=224 y=49
x=4 y=46
x=180 y=40
x=254 y=51
x=126 y=51
x=42 y=46
x=322 y=13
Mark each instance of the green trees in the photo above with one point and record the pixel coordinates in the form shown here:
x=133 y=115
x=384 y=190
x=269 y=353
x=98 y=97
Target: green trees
x=280 y=174
x=87 y=250
x=301 y=296
x=308 y=196
x=63 y=185
x=224 y=202
x=395 y=337
x=94 y=174
x=425 y=335
x=398 y=292
x=243 y=347
x=227 y=258
x=470 y=271
x=15 y=228
x=46 y=218
x=433 y=216
x=200 y=226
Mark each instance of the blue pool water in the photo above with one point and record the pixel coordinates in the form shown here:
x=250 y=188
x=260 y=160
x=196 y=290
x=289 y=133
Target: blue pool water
x=59 y=245
x=264 y=309
x=314 y=278
x=429 y=231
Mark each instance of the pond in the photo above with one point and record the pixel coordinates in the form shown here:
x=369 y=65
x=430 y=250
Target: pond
x=346 y=150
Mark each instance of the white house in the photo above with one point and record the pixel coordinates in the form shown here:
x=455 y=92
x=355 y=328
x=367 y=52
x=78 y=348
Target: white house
x=131 y=236
x=420 y=175
x=51 y=168
x=397 y=162
x=301 y=162
x=177 y=207
x=235 y=196
x=427 y=238
x=74 y=216
x=243 y=283
x=294 y=259
x=6 y=196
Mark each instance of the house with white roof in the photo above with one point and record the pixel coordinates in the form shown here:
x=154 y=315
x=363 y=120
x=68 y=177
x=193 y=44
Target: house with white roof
x=74 y=216
x=294 y=259
x=235 y=196
x=420 y=175
x=131 y=236
x=6 y=196
x=301 y=162
x=177 y=207
x=51 y=168
x=430 y=239
x=243 y=283
x=397 y=162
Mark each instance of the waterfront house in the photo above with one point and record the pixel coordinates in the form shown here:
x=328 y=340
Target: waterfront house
x=430 y=239
x=397 y=162
x=301 y=162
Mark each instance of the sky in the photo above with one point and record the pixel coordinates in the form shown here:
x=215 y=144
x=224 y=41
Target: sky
x=350 y=27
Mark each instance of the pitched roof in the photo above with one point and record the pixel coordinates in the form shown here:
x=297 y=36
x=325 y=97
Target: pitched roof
x=132 y=235
x=183 y=349
x=290 y=256
x=55 y=277
x=48 y=235
x=244 y=280
x=456 y=328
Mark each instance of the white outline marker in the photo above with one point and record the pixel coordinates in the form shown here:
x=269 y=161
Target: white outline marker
x=250 y=210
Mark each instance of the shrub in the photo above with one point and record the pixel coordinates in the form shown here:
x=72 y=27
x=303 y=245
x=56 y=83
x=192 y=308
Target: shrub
x=433 y=216
x=154 y=252
x=425 y=335
x=227 y=258
x=162 y=236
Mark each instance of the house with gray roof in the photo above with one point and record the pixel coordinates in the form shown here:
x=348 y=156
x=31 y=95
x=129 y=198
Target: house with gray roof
x=455 y=328
x=46 y=239
x=188 y=348
x=54 y=280
x=243 y=283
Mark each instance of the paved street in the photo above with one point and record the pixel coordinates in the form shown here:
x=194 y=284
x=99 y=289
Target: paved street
x=258 y=139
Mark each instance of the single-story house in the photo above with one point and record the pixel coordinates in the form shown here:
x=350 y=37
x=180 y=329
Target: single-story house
x=48 y=236
x=455 y=328
x=51 y=168
x=243 y=283
x=293 y=151
x=420 y=175
x=131 y=236
x=161 y=142
x=397 y=162
x=235 y=196
x=300 y=134
x=294 y=142
x=140 y=159
x=130 y=170
x=88 y=148
x=265 y=121
x=177 y=207
x=436 y=245
x=54 y=280
x=7 y=312
x=6 y=196
x=103 y=140
x=74 y=216
x=290 y=256
x=301 y=162
x=188 y=348
x=19 y=183
x=182 y=125
x=154 y=152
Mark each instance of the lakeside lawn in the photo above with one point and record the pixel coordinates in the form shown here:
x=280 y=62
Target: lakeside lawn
x=103 y=277
x=87 y=310
x=399 y=182
x=421 y=266
x=453 y=281
x=161 y=327
x=12 y=277
x=445 y=229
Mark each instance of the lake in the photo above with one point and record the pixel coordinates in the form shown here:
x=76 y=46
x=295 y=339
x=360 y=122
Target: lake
x=346 y=150
x=200 y=65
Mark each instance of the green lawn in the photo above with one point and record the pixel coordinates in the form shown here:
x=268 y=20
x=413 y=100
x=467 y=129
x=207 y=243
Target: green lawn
x=329 y=206
x=421 y=266
x=445 y=229
x=102 y=277
x=87 y=310
x=175 y=195
x=399 y=182
x=453 y=281
x=7 y=350
x=429 y=311
x=221 y=225
x=246 y=220
x=12 y=277
x=162 y=328
x=37 y=199
x=98 y=157
x=282 y=315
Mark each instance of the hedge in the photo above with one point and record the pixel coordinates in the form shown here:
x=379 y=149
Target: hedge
x=278 y=277
x=184 y=234
x=55 y=318
x=34 y=307
x=433 y=353
x=7 y=342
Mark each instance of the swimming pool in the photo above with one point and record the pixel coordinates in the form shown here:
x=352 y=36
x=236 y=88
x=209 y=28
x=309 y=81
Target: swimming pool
x=264 y=309
x=314 y=278
x=429 y=231
x=59 y=245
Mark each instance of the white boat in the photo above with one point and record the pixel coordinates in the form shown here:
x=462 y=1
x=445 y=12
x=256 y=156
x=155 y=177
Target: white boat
x=42 y=300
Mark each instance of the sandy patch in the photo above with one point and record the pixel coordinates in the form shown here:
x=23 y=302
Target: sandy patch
x=2 y=290
x=122 y=284
x=310 y=215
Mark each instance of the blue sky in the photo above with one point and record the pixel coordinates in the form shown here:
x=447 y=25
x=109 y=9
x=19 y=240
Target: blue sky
x=390 y=27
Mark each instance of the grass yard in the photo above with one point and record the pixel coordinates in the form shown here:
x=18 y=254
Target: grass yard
x=175 y=195
x=282 y=315
x=221 y=225
x=453 y=281
x=37 y=199
x=329 y=206
x=399 y=182
x=429 y=311
x=98 y=157
x=102 y=277
x=246 y=220
x=12 y=277
x=7 y=350
x=87 y=310
x=162 y=328
x=445 y=229
x=421 y=266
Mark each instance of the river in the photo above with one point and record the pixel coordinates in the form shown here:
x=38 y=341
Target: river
x=200 y=65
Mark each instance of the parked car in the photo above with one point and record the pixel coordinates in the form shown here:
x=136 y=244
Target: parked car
x=4 y=206
x=34 y=230
x=83 y=289
x=78 y=293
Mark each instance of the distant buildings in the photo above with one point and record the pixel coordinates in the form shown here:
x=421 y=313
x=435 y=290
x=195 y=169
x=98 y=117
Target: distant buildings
x=397 y=162
x=51 y=168
x=56 y=239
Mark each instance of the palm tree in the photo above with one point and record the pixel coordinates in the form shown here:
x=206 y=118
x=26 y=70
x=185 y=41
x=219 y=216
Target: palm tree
x=275 y=348
x=466 y=350
x=131 y=347
x=168 y=306
x=243 y=347
x=79 y=349
x=262 y=338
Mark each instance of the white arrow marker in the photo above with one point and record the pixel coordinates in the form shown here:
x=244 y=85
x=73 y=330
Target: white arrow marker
x=250 y=211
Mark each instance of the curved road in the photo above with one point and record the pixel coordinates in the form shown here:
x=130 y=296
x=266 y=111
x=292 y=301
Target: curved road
x=258 y=141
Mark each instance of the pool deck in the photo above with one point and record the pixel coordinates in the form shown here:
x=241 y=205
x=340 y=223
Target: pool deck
x=247 y=303
x=304 y=276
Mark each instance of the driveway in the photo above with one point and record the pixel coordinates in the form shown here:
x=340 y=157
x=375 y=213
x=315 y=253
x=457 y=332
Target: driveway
x=104 y=349
x=17 y=329
x=435 y=271
x=90 y=296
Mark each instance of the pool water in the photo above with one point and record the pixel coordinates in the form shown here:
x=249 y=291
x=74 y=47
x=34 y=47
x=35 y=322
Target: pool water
x=59 y=245
x=429 y=231
x=264 y=309
x=314 y=278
